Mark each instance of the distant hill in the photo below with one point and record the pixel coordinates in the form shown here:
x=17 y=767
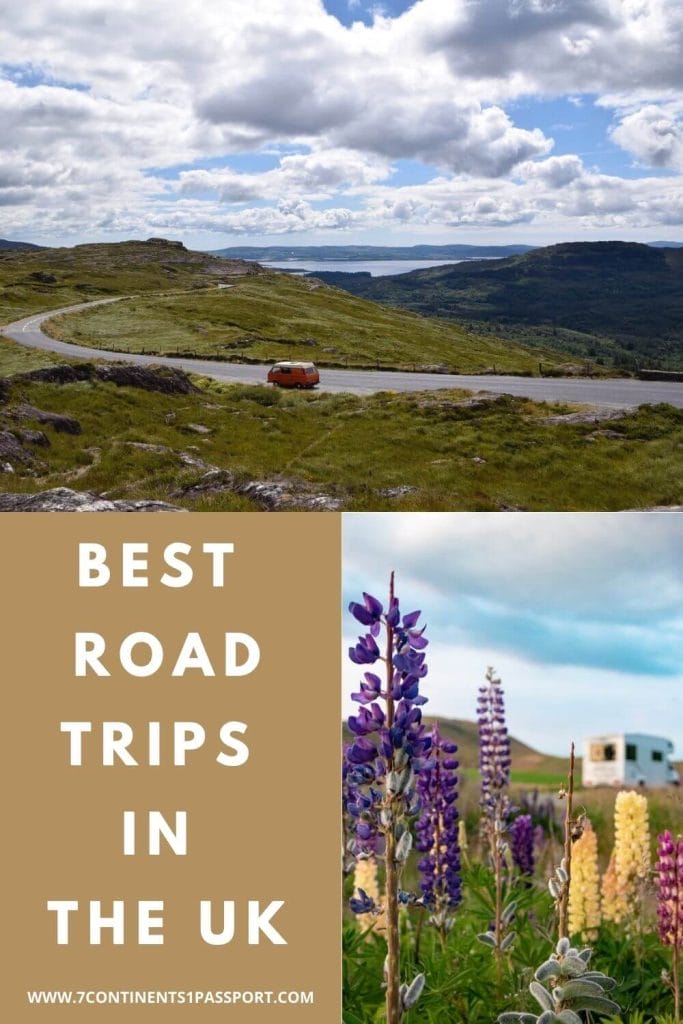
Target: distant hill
x=617 y=302
x=18 y=246
x=527 y=764
x=33 y=279
x=280 y=253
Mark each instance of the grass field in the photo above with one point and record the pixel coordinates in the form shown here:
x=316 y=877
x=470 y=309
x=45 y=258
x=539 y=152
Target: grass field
x=34 y=281
x=435 y=451
x=278 y=316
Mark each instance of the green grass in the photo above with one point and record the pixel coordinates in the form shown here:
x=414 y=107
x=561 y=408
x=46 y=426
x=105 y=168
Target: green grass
x=31 y=282
x=278 y=316
x=617 y=303
x=424 y=442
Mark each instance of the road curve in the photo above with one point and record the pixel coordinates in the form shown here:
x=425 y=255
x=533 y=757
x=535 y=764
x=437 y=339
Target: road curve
x=608 y=393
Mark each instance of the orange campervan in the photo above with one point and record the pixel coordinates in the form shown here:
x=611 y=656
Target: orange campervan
x=294 y=375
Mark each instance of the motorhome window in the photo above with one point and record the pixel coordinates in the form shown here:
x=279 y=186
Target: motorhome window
x=285 y=369
x=631 y=752
x=610 y=752
x=657 y=755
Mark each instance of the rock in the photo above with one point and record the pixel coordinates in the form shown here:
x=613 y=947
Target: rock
x=285 y=495
x=446 y=405
x=62 y=424
x=479 y=461
x=34 y=437
x=657 y=508
x=271 y=495
x=584 y=416
x=197 y=428
x=62 y=373
x=6 y=467
x=611 y=435
x=396 y=492
x=170 y=417
x=164 y=241
x=166 y=379
x=62 y=499
x=187 y=458
x=12 y=450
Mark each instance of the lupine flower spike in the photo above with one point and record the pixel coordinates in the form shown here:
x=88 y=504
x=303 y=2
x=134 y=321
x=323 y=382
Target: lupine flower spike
x=522 y=843
x=669 y=876
x=494 y=766
x=584 y=890
x=389 y=749
x=631 y=853
x=437 y=834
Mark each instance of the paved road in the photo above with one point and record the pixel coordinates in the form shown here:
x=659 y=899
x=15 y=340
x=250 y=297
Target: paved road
x=616 y=394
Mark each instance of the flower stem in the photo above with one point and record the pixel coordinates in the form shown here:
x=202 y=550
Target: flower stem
x=391 y=902
x=676 y=980
x=568 y=820
x=498 y=873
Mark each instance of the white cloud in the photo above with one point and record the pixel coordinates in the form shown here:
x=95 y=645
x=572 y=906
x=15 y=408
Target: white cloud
x=653 y=135
x=162 y=86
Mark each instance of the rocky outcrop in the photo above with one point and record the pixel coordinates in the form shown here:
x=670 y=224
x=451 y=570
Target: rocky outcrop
x=166 y=379
x=62 y=424
x=583 y=416
x=12 y=450
x=280 y=495
x=62 y=499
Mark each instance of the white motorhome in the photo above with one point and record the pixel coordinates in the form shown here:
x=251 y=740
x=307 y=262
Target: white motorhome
x=628 y=759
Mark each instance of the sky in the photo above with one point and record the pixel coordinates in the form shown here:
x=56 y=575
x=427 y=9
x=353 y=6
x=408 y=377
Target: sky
x=221 y=122
x=580 y=614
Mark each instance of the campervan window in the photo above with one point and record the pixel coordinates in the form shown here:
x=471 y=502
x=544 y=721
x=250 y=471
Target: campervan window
x=631 y=752
x=603 y=752
x=657 y=755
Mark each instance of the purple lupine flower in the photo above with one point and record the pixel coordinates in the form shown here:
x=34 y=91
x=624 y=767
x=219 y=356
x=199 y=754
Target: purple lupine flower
x=494 y=749
x=437 y=830
x=389 y=741
x=522 y=836
x=669 y=876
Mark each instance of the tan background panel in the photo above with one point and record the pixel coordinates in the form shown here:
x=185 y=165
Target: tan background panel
x=267 y=830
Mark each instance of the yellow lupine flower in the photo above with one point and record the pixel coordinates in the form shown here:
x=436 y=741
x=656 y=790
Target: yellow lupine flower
x=365 y=877
x=631 y=854
x=584 y=889
x=613 y=905
x=631 y=838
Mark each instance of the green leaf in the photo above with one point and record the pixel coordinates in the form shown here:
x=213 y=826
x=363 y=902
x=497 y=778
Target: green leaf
x=517 y=1018
x=541 y=996
x=581 y=987
x=597 y=1003
x=550 y=969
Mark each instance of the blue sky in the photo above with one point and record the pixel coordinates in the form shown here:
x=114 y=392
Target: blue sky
x=581 y=614
x=341 y=121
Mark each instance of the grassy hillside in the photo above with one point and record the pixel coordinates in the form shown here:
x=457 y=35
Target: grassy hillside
x=31 y=281
x=617 y=301
x=423 y=451
x=529 y=766
x=276 y=316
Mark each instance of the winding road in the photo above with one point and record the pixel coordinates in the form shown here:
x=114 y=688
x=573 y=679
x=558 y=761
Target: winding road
x=607 y=393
